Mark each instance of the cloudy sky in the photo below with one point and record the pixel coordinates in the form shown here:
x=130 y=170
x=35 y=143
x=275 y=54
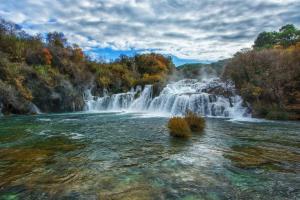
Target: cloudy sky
x=189 y=30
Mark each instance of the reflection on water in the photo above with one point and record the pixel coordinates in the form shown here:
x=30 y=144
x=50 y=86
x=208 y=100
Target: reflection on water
x=113 y=156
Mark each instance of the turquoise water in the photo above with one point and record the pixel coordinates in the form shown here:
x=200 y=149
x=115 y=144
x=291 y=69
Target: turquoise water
x=128 y=156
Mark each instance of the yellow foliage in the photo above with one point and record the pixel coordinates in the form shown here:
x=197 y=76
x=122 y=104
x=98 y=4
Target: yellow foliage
x=150 y=79
x=178 y=127
x=25 y=92
x=105 y=81
x=17 y=50
x=257 y=91
x=293 y=48
x=129 y=79
x=78 y=54
x=277 y=47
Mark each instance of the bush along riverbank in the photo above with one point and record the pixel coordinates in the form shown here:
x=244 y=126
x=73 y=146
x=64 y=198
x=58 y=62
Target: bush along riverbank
x=50 y=74
x=268 y=75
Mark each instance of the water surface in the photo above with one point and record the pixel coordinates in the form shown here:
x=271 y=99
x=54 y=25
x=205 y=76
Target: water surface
x=126 y=156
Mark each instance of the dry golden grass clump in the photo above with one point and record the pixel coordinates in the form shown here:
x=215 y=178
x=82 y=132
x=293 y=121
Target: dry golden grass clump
x=178 y=127
x=183 y=126
x=195 y=122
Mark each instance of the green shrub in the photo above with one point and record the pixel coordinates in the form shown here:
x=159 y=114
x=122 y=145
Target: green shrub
x=195 y=122
x=272 y=112
x=277 y=115
x=260 y=109
x=178 y=127
x=47 y=73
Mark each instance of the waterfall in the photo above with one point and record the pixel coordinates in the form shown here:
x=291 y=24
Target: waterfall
x=34 y=109
x=210 y=97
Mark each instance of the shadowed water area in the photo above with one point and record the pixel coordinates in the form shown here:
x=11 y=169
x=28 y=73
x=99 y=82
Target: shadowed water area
x=130 y=156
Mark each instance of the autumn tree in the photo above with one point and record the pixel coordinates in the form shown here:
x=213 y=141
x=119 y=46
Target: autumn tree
x=77 y=54
x=267 y=79
x=46 y=56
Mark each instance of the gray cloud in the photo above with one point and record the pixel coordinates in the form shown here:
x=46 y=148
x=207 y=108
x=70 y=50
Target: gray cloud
x=189 y=29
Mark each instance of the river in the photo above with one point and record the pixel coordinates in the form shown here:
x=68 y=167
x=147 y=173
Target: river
x=132 y=156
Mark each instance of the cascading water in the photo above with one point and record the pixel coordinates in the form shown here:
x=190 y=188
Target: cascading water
x=34 y=109
x=210 y=97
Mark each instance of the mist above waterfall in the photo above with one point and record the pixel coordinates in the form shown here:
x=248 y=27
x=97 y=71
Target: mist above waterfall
x=199 y=70
x=207 y=97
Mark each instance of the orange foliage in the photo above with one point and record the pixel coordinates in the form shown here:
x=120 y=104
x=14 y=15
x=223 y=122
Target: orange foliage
x=152 y=63
x=178 y=127
x=78 y=54
x=47 y=57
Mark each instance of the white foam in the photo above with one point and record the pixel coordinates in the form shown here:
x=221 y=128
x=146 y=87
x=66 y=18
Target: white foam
x=44 y=119
x=175 y=99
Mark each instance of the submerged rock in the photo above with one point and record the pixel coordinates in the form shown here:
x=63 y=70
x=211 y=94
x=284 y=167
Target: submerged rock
x=22 y=161
x=267 y=158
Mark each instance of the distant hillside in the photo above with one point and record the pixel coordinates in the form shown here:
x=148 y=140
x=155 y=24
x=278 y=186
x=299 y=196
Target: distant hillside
x=200 y=70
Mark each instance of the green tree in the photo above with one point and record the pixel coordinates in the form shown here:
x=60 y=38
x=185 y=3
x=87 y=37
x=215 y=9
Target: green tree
x=288 y=35
x=265 y=40
x=56 y=39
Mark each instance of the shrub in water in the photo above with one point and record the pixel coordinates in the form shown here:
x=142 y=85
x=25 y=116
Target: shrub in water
x=178 y=127
x=195 y=122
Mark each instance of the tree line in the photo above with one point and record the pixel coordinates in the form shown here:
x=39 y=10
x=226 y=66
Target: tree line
x=268 y=75
x=52 y=73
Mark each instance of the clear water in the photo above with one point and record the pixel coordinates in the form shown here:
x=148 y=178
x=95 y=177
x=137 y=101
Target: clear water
x=128 y=156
